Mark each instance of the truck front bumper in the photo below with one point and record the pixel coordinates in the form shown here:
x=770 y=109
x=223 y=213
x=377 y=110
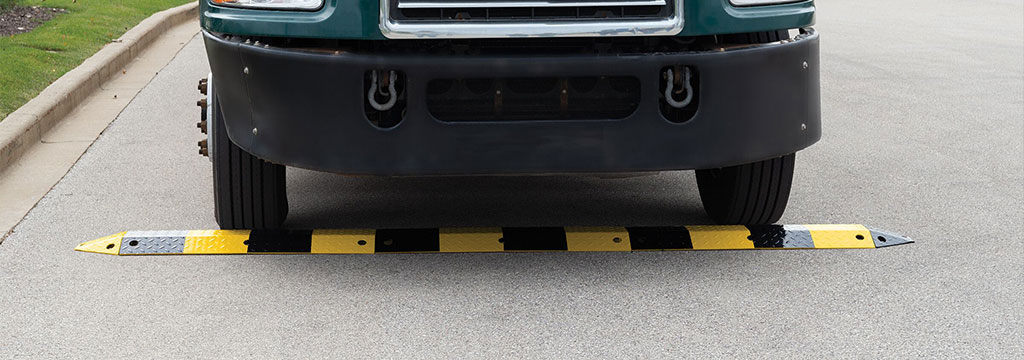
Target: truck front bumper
x=306 y=109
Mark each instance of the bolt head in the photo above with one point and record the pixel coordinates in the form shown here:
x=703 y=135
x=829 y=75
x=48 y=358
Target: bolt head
x=245 y=70
x=254 y=131
x=805 y=65
x=803 y=127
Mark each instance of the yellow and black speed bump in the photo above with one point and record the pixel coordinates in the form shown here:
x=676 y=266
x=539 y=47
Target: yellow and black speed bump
x=509 y=239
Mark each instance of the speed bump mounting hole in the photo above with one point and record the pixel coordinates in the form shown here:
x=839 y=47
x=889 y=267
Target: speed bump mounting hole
x=361 y=242
x=860 y=237
x=881 y=238
x=133 y=243
x=616 y=240
x=110 y=246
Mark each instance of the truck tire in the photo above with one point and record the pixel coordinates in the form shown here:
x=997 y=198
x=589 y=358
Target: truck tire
x=748 y=194
x=248 y=192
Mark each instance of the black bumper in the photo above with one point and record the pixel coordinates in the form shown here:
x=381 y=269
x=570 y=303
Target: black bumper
x=756 y=103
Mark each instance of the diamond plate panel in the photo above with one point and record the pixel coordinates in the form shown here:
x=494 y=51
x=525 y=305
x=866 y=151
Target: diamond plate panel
x=153 y=242
x=797 y=237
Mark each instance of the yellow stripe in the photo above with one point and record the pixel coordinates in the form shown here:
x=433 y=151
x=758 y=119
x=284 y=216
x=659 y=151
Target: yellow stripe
x=720 y=237
x=216 y=242
x=354 y=241
x=597 y=239
x=110 y=245
x=841 y=236
x=470 y=240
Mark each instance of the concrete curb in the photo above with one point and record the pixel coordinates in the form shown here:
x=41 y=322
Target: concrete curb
x=26 y=126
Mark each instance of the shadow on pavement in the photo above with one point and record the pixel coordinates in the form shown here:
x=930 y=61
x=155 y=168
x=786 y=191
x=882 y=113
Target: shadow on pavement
x=319 y=200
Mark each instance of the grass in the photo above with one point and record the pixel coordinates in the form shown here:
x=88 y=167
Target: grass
x=31 y=61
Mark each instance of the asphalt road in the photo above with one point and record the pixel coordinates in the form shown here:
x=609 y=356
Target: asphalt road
x=923 y=114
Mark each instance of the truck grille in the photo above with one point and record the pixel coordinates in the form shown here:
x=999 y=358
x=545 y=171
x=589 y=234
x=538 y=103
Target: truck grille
x=554 y=10
x=529 y=18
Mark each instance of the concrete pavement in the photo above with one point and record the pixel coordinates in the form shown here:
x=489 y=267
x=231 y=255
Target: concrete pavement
x=923 y=135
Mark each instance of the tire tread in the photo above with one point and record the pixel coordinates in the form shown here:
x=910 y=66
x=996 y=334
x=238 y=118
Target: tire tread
x=249 y=192
x=748 y=194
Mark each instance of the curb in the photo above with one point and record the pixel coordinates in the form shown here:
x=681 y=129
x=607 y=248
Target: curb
x=26 y=125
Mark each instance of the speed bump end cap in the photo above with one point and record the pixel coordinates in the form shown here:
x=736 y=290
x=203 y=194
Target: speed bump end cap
x=884 y=238
x=110 y=245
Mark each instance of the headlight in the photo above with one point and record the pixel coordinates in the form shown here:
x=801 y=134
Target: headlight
x=760 y=2
x=272 y=4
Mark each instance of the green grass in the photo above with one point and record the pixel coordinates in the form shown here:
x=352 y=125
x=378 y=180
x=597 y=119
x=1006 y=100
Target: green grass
x=31 y=61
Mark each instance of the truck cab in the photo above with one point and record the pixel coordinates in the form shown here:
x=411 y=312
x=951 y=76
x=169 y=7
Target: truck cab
x=729 y=88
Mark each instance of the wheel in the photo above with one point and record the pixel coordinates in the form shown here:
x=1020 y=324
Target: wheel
x=248 y=192
x=748 y=194
x=754 y=193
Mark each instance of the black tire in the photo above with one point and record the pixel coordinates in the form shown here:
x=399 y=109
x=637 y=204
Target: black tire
x=748 y=194
x=248 y=192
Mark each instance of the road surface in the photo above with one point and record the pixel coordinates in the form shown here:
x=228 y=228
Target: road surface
x=923 y=113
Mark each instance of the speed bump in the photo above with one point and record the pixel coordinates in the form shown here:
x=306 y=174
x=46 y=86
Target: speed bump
x=508 y=239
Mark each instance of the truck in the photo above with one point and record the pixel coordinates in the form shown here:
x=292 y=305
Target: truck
x=728 y=88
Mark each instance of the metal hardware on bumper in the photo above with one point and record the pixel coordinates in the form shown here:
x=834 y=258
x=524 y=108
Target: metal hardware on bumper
x=681 y=85
x=387 y=81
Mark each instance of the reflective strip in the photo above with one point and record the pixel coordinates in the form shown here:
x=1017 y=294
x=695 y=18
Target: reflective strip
x=720 y=237
x=841 y=236
x=216 y=242
x=352 y=241
x=597 y=239
x=471 y=240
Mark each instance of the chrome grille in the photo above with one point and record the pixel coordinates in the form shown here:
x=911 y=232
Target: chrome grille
x=433 y=4
x=529 y=18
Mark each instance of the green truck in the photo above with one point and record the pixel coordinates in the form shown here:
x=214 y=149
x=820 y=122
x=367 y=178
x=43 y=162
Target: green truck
x=729 y=88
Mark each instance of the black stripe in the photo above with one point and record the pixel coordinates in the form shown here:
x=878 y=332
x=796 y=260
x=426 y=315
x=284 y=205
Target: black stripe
x=767 y=236
x=266 y=240
x=658 y=238
x=537 y=238
x=776 y=236
x=407 y=240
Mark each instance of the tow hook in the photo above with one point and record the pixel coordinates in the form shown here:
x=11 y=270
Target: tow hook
x=678 y=82
x=378 y=84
